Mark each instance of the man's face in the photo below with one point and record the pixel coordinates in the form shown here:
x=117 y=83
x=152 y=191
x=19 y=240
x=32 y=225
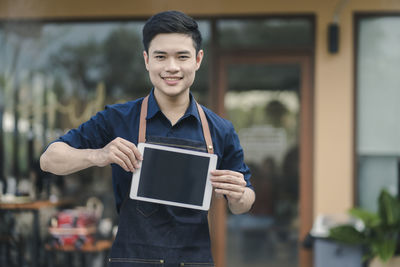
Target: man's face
x=172 y=63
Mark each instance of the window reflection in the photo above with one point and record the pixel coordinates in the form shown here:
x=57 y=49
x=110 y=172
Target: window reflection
x=54 y=76
x=378 y=126
x=267 y=123
x=266 y=33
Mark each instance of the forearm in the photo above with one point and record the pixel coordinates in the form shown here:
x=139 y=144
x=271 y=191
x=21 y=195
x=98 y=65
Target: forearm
x=62 y=159
x=244 y=204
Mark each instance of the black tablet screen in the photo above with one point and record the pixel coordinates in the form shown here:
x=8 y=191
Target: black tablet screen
x=172 y=176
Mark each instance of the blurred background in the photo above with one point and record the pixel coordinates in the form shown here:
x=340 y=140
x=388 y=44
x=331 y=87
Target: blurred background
x=311 y=86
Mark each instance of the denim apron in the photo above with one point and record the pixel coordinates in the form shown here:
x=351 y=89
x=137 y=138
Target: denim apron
x=151 y=234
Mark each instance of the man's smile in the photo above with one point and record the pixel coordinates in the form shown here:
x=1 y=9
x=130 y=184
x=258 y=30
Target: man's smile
x=171 y=78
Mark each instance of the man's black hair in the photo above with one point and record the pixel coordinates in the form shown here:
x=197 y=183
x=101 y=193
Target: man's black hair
x=171 y=22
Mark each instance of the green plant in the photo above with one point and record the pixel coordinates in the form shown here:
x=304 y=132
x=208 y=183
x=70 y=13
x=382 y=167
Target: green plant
x=380 y=234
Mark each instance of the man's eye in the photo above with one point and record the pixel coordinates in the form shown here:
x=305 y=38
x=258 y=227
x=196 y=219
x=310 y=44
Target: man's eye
x=159 y=57
x=183 y=57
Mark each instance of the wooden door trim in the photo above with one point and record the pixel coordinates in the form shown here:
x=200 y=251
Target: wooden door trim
x=306 y=146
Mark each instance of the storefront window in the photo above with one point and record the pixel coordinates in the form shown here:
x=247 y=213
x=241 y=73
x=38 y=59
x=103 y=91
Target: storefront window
x=378 y=94
x=266 y=33
x=54 y=76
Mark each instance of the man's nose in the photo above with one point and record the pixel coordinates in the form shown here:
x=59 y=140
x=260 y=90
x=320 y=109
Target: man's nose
x=172 y=65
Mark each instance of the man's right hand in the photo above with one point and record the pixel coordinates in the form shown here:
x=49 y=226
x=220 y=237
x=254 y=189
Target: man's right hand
x=118 y=151
x=62 y=159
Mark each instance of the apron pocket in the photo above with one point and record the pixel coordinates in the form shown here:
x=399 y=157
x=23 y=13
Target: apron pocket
x=188 y=216
x=133 y=262
x=147 y=208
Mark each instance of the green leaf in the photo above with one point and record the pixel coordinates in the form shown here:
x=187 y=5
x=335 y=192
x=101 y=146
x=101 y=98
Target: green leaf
x=385 y=249
x=370 y=219
x=389 y=209
x=381 y=232
x=346 y=234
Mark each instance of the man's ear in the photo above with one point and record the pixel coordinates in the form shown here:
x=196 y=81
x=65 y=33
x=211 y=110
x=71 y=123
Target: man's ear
x=199 y=58
x=146 y=59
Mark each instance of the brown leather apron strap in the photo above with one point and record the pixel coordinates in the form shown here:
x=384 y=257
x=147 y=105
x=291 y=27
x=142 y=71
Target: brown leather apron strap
x=206 y=129
x=203 y=119
x=142 y=122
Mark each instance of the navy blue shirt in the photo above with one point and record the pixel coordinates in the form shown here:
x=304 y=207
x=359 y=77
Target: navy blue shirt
x=122 y=120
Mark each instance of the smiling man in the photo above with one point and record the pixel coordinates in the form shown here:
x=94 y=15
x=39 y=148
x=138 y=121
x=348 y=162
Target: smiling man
x=172 y=62
x=152 y=234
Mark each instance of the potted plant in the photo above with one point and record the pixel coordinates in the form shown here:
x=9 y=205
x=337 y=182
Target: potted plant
x=380 y=234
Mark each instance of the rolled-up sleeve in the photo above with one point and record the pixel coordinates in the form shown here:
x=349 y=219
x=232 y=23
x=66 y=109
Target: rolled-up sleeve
x=95 y=133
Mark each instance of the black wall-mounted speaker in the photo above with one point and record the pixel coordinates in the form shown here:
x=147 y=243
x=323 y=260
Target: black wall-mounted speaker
x=333 y=38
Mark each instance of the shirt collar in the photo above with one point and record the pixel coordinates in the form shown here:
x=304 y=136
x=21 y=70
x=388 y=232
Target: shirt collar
x=153 y=108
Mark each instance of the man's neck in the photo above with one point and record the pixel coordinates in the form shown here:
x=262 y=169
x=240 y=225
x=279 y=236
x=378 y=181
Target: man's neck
x=173 y=107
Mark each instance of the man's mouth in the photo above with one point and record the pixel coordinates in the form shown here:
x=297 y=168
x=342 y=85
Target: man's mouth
x=172 y=78
x=171 y=81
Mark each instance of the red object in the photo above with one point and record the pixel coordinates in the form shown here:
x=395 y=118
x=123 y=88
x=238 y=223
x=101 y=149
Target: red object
x=76 y=218
x=74 y=227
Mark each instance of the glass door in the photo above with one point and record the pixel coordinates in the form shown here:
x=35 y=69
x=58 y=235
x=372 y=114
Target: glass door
x=268 y=99
x=262 y=102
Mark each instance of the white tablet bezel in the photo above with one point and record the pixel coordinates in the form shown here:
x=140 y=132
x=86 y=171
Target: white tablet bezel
x=208 y=187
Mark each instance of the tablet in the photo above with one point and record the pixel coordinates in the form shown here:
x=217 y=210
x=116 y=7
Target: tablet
x=174 y=176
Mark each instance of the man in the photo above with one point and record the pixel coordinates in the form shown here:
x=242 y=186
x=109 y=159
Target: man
x=148 y=233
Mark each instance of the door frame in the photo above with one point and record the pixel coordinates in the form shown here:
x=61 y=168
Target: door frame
x=306 y=145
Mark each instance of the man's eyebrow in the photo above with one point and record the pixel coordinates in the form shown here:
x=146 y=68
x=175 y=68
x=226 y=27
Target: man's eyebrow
x=160 y=52
x=183 y=52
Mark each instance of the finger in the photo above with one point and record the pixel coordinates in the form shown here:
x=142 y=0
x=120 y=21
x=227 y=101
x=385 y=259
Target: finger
x=226 y=172
x=228 y=187
x=229 y=194
x=120 y=156
x=229 y=179
x=129 y=152
x=133 y=148
x=121 y=163
x=218 y=173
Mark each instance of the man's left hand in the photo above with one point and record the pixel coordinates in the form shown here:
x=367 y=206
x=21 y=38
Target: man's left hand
x=228 y=183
